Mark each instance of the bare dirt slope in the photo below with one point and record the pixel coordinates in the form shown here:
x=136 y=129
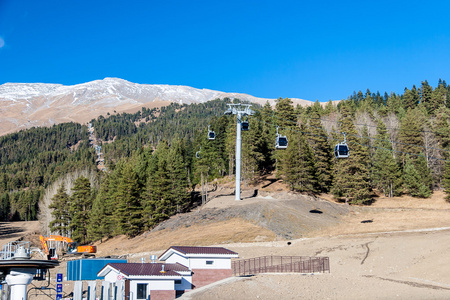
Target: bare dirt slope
x=17 y=231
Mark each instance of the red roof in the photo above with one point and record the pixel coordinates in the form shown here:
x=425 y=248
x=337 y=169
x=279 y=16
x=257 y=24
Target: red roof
x=149 y=269
x=201 y=250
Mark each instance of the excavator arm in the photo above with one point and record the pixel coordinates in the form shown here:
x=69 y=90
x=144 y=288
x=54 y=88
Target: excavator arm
x=44 y=244
x=68 y=245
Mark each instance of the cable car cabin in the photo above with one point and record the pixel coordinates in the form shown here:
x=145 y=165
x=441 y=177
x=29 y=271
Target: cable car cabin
x=281 y=142
x=245 y=126
x=211 y=134
x=341 y=151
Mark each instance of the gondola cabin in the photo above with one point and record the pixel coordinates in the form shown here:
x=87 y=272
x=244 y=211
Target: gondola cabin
x=341 y=151
x=211 y=135
x=245 y=126
x=281 y=142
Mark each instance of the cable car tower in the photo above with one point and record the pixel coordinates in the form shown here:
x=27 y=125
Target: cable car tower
x=240 y=110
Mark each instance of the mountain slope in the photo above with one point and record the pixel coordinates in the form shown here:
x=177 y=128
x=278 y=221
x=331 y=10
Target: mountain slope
x=24 y=105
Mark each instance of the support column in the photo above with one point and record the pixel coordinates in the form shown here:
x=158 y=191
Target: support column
x=17 y=281
x=238 y=157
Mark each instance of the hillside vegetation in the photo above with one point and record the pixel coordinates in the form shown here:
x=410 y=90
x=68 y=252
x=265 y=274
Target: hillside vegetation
x=399 y=145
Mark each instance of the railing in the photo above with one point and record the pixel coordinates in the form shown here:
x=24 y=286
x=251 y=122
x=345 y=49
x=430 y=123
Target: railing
x=280 y=264
x=10 y=248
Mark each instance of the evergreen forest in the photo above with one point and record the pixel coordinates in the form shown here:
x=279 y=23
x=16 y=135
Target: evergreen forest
x=158 y=158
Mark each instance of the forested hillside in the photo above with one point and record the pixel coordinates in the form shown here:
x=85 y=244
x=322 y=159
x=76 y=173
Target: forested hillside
x=31 y=159
x=398 y=144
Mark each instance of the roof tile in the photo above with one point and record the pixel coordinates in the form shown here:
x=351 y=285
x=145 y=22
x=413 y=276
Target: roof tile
x=202 y=250
x=149 y=269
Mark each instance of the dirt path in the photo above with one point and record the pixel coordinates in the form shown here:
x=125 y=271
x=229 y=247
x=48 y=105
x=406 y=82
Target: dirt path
x=402 y=265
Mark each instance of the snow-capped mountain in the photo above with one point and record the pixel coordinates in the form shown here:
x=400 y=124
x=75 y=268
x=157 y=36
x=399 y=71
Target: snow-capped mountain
x=23 y=105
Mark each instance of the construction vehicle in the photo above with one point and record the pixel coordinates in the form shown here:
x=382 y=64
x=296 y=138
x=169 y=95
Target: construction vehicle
x=66 y=246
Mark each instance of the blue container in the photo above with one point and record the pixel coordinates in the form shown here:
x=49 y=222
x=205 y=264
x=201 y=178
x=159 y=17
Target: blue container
x=87 y=269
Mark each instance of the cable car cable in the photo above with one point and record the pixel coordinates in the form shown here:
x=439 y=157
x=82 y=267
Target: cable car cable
x=392 y=142
x=351 y=142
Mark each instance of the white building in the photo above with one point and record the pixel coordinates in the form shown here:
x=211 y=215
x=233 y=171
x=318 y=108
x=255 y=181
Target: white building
x=184 y=268
x=208 y=264
x=141 y=280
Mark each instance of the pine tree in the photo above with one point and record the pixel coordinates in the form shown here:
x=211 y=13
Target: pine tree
x=253 y=147
x=128 y=212
x=101 y=221
x=410 y=135
x=351 y=179
x=5 y=206
x=410 y=98
x=440 y=96
x=299 y=168
x=413 y=180
x=230 y=146
x=426 y=178
x=394 y=103
x=285 y=113
x=285 y=118
x=179 y=177
x=442 y=128
x=80 y=206
x=385 y=170
x=60 y=214
x=268 y=138
x=318 y=139
x=365 y=142
x=158 y=206
x=425 y=93
x=329 y=108
x=220 y=127
x=446 y=181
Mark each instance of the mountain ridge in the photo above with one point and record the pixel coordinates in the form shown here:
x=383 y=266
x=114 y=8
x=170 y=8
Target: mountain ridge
x=26 y=105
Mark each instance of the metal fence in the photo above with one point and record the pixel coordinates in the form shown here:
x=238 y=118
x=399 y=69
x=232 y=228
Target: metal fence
x=280 y=264
x=9 y=249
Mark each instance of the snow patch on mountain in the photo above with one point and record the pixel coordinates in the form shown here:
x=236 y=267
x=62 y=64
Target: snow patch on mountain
x=23 y=105
x=114 y=90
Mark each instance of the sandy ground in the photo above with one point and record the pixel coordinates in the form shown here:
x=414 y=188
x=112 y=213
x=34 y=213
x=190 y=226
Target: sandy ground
x=395 y=265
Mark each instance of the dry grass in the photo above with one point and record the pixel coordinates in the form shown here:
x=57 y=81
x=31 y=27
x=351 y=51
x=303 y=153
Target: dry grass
x=384 y=221
x=436 y=201
x=231 y=231
x=393 y=214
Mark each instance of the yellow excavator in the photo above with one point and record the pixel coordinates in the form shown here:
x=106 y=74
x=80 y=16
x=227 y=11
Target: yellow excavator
x=66 y=245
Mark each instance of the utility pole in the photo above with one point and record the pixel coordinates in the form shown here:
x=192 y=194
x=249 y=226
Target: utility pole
x=240 y=110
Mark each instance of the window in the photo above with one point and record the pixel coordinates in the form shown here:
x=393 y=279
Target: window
x=209 y=262
x=177 y=281
x=141 y=291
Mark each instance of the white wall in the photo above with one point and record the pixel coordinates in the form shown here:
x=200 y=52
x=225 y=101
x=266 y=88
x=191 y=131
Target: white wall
x=177 y=258
x=186 y=283
x=200 y=262
x=158 y=284
x=112 y=276
x=218 y=263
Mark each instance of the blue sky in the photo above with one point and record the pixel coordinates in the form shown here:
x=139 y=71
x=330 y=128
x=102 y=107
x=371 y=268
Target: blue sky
x=314 y=50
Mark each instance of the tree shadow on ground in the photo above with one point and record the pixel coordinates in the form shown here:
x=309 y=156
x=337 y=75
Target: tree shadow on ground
x=8 y=230
x=272 y=181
